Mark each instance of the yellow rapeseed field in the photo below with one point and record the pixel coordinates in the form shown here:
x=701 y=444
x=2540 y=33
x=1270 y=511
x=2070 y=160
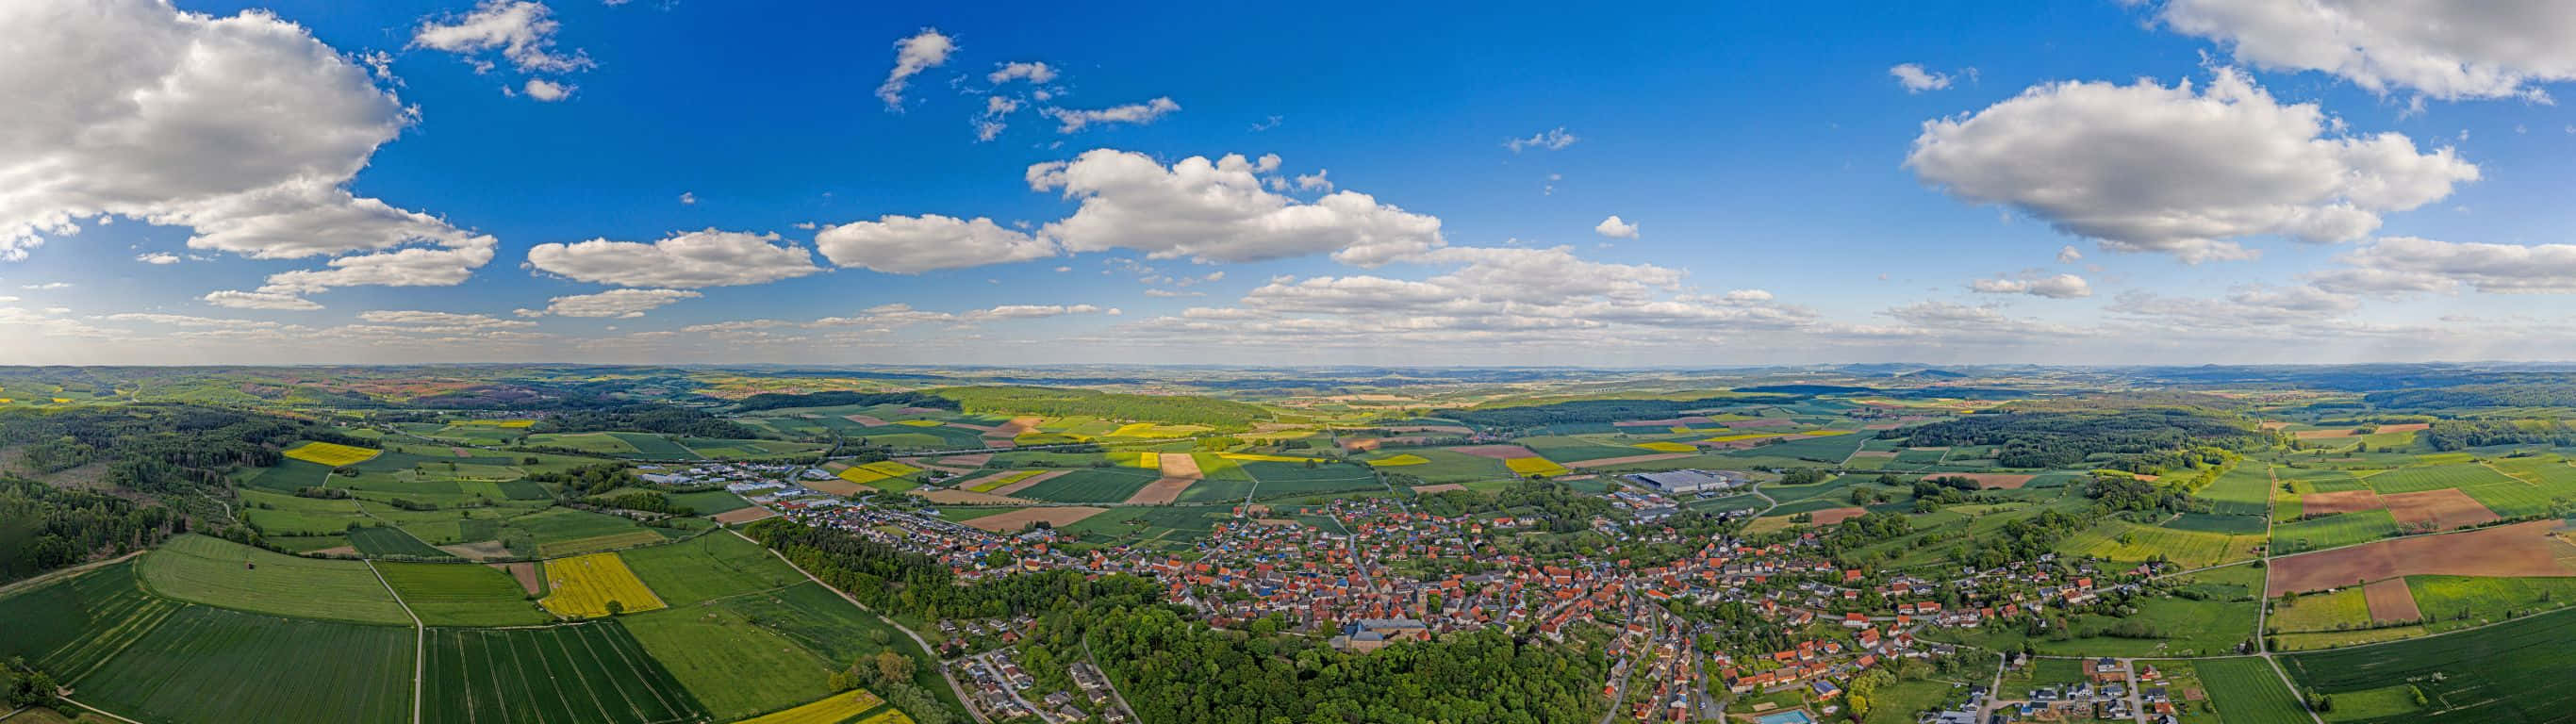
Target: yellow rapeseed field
x=1400 y=460
x=1259 y=458
x=1667 y=446
x=1536 y=466
x=583 y=586
x=889 y=716
x=831 y=710
x=920 y=423
x=332 y=454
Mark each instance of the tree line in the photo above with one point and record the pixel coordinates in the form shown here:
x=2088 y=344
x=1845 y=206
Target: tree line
x=1059 y=402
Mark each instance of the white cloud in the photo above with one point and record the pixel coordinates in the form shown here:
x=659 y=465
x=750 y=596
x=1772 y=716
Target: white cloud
x=620 y=303
x=1315 y=181
x=2448 y=50
x=547 y=91
x=1552 y=139
x=157 y=258
x=1614 y=228
x=2068 y=255
x=243 y=128
x=2402 y=264
x=707 y=258
x=688 y=198
x=2144 y=167
x=1074 y=121
x=260 y=300
x=1036 y=73
x=414 y=267
x=47 y=286
x=523 y=30
x=915 y=244
x=2058 y=286
x=1917 y=80
x=923 y=51
x=441 y=319
x=1218 y=211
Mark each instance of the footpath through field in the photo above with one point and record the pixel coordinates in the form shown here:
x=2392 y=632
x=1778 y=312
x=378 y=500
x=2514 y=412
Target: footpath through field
x=419 y=636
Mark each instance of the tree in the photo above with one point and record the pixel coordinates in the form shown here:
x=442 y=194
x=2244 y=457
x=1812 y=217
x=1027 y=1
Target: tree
x=892 y=667
x=616 y=607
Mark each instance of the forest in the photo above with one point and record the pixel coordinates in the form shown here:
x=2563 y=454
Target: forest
x=1225 y=415
x=43 y=527
x=647 y=417
x=836 y=398
x=2135 y=440
x=1492 y=418
x=2533 y=394
x=2449 y=435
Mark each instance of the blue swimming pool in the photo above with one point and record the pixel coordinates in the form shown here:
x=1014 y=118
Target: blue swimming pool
x=1795 y=716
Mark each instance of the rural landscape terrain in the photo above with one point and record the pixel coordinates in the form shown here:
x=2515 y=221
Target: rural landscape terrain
x=1876 y=543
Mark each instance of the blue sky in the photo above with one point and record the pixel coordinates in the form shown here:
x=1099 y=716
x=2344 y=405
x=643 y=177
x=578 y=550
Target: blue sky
x=2180 y=182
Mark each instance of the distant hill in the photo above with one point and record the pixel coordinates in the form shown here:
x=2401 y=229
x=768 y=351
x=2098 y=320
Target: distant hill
x=1935 y=374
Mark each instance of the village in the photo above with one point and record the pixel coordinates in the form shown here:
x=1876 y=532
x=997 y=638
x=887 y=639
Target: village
x=1386 y=572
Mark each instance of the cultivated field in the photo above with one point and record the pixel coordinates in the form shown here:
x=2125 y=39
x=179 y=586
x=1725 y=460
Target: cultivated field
x=2246 y=691
x=708 y=567
x=832 y=709
x=221 y=573
x=2513 y=672
x=2521 y=549
x=584 y=586
x=194 y=667
x=330 y=454
x=462 y=594
x=734 y=666
x=512 y=675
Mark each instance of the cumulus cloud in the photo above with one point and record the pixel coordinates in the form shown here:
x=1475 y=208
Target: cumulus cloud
x=546 y=91
x=923 y=51
x=244 y=129
x=1917 y=80
x=2068 y=255
x=260 y=300
x=1550 y=140
x=1074 y=121
x=2404 y=264
x=523 y=30
x=2176 y=170
x=441 y=319
x=2448 y=50
x=707 y=258
x=157 y=258
x=1615 y=228
x=620 y=303
x=2246 y=306
x=2059 y=286
x=1036 y=73
x=1218 y=211
x=915 y=244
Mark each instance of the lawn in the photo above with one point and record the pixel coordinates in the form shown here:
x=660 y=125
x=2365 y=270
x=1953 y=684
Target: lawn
x=222 y=573
x=516 y=675
x=708 y=567
x=462 y=594
x=194 y=666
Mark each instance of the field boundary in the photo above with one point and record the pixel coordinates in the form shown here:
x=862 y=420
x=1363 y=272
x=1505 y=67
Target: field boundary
x=926 y=649
x=419 y=639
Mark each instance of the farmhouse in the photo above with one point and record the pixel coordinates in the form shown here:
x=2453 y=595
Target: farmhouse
x=1678 y=482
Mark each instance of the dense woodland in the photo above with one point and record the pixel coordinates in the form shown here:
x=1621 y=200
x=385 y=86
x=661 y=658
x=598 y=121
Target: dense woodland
x=2137 y=440
x=2553 y=394
x=647 y=417
x=43 y=527
x=1054 y=402
x=2460 y=434
x=836 y=398
x=157 y=448
x=1581 y=411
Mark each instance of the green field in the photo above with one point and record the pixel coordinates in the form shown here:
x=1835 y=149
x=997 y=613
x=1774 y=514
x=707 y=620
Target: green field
x=2513 y=672
x=392 y=542
x=1286 y=480
x=193 y=668
x=2247 y=691
x=2243 y=490
x=708 y=567
x=462 y=594
x=1091 y=485
x=2435 y=477
x=2343 y=609
x=831 y=627
x=710 y=502
x=2124 y=541
x=1446 y=466
x=518 y=675
x=2341 y=529
x=88 y=618
x=731 y=664
x=2212 y=625
x=2453 y=602
x=649 y=446
x=564 y=531
x=221 y=573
